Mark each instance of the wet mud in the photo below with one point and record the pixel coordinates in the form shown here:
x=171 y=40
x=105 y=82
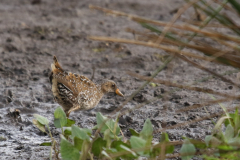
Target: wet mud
x=31 y=32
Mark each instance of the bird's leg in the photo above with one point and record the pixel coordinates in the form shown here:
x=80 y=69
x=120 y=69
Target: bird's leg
x=73 y=109
x=67 y=114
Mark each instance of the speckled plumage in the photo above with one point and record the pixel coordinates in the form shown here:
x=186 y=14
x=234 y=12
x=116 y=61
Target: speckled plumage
x=73 y=91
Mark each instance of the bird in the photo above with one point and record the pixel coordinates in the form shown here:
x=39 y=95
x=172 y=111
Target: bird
x=77 y=92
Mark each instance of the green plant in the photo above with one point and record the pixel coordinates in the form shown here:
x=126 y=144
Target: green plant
x=79 y=143
x=226 y=143
x=222 y=143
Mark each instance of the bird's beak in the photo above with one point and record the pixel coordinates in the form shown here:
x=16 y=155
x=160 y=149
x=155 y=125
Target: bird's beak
x=118 y=92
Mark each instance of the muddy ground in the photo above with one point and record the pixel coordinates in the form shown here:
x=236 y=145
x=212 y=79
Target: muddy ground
x=31 y=32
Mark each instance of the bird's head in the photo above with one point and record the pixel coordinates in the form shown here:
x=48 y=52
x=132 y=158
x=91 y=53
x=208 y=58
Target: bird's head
x=110 y=86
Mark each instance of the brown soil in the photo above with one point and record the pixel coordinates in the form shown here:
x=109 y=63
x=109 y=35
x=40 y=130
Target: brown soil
x=33 y=31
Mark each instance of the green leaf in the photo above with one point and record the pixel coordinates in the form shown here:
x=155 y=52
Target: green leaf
x=107 y=137
x=115 y=129
x=212 y=141
x=236 y=122
x=165 y=138
x=117 y=144
x=206 y=157
x=67 y=131
x=120 y=147
x=230 y=155
x=225 y=147
x=95 y=127
x=46 y=144
x=60 y=119
x=226 y=122
x=101 y=122
x=155 y=151
x=109 y=151
x=147 y=130
x=70 y=122
x=198 y=143
x=39 y=125
x=229 y=133
x=155 y=29
x=208 y=139
x=88 y=131
x=133 y=132
x=98 y=145
x=137 y=142
x=57 y=123
x=128 y=156
x=106 y=154
x=41 y=119
x=187 y=150
x=68 y=151
x=226 y=151
x=109 y=124
x=78 y=143
x=80 y=133
x=234 y=141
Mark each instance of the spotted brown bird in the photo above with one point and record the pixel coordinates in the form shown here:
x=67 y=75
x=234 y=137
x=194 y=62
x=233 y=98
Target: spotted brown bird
x=77 y=92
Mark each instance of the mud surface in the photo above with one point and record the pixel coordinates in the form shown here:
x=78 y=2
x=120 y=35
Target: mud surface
x=31 y=32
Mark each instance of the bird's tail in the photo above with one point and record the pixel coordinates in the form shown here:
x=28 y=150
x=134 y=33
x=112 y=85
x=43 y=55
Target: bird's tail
x=55 y=65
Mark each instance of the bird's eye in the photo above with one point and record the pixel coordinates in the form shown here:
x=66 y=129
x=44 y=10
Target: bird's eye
x=113 y=85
